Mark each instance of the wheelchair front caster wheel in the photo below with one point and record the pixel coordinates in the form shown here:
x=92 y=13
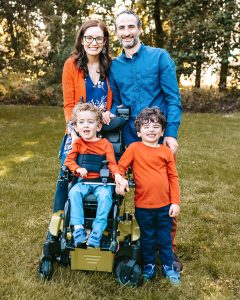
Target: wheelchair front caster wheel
x=135 y=277
x=64 y=259
x=45 y=269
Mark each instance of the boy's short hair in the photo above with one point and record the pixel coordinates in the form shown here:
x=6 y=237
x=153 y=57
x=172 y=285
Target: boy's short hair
x=148 y=115
x=81 y=106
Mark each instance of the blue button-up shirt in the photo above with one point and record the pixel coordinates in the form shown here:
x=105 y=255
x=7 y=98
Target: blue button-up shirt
x=147 y=79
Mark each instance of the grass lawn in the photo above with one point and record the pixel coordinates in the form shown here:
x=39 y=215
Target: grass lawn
x=208 y=233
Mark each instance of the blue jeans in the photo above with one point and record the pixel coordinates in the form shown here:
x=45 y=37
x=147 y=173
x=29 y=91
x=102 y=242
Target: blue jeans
x=104 y=199
x=155 y=228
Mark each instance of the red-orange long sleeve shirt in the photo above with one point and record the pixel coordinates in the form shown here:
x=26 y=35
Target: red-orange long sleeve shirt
x=155 y=175
x=101 y=147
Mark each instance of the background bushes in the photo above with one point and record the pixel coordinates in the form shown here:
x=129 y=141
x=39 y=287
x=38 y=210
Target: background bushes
x=35 y=92
x=210 y=100
x=16 y=90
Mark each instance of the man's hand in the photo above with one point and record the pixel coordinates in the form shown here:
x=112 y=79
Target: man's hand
x=107 y=116
x=174 y=210
x=171 y=142
x=82 y=171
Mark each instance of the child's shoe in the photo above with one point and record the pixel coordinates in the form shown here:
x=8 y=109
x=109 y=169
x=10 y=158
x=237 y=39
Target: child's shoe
x=177 y=265
x=171 y=274
x=94 y=238
x=149 y=272
x=79 y=236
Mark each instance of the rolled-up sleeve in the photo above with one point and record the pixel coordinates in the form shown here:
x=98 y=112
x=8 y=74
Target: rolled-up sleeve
x=172 y=98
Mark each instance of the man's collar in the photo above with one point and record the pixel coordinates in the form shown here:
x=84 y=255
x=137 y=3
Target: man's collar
x=140 y=49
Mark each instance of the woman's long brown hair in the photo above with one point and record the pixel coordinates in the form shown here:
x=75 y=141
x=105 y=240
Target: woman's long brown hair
x=79 y=53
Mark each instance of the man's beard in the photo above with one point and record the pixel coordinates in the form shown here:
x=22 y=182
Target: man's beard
x=129 y=45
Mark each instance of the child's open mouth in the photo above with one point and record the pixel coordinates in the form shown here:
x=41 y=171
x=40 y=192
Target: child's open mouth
x=86 y=131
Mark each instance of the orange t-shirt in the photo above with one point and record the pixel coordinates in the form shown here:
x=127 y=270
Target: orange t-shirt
x=101 y=147
x=155 y=175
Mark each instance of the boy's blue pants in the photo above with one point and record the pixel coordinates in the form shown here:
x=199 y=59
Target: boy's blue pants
x=104 y=199
x=155 y=228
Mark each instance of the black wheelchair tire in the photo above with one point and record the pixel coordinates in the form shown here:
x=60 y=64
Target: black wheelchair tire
x=136 y=278
x=45 y=269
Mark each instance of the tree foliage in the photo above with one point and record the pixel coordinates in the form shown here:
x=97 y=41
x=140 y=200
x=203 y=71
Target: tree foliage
x=37 y=36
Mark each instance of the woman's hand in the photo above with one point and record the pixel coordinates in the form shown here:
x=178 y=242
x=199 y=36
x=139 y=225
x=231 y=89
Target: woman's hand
x=107 y=116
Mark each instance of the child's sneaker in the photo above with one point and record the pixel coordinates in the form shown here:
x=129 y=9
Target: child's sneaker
x=177 y=265
x=171 y=274
x=94 y=238
x=149 y=272
x=79 y=236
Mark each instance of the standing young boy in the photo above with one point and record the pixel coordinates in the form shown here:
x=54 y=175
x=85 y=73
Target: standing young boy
x=88 y=122
x=157 y=195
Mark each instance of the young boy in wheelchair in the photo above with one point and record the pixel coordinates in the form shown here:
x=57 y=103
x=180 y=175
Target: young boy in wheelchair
x=87 y=120
x=157 y=195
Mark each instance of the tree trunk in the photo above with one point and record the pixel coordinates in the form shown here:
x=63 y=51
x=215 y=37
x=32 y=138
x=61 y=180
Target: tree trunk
x=159 y=41
x=198 y=74
x=230 y=6
x=222 y=85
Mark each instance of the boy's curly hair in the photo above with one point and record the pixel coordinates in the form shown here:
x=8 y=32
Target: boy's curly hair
x=148 y=115
x=81 y=106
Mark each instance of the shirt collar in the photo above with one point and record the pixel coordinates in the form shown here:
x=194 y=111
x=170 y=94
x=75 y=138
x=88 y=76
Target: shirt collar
x=136 y=53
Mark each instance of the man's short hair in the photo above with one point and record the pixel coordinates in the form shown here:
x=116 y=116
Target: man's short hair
x=129 y=12
x=150 y=115
x=81 y=106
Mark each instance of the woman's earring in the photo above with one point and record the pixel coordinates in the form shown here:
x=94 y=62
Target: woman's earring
x=104 y=50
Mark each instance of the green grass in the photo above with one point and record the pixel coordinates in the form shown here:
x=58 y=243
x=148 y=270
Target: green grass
x=208 y=231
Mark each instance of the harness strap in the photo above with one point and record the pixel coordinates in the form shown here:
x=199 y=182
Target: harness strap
x=91 y=162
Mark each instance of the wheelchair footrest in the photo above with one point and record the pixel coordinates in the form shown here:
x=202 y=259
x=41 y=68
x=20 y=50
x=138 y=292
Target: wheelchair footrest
x=91 y=259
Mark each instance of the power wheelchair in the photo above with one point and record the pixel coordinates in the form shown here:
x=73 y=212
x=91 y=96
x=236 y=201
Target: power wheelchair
x=119 y=251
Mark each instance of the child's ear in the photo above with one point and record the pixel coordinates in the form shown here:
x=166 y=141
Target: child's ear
x=99 y=127
x=163 y=132
x=139 y=134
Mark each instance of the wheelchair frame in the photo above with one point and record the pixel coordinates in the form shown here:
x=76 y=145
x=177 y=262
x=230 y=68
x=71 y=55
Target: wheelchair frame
x=119 y=252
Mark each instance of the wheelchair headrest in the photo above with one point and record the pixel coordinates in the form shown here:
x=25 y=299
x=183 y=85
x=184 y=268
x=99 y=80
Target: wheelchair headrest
x=115 y=123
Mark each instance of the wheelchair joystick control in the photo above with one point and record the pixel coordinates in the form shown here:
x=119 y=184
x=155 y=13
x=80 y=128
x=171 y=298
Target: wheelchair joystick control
x=104 y=172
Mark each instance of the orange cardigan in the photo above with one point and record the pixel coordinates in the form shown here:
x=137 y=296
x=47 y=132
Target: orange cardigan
x=73 y=85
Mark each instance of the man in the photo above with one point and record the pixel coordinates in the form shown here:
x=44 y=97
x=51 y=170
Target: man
x=141 y=77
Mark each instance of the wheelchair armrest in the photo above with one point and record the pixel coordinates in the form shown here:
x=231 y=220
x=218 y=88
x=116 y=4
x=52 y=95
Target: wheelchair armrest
x=115 y=123
x=66 y=174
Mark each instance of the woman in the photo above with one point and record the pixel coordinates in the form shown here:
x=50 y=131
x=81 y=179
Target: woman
x=84 y=78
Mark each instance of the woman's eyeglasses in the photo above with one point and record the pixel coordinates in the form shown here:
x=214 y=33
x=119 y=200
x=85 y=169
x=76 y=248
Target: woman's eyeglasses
x=89 y=39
